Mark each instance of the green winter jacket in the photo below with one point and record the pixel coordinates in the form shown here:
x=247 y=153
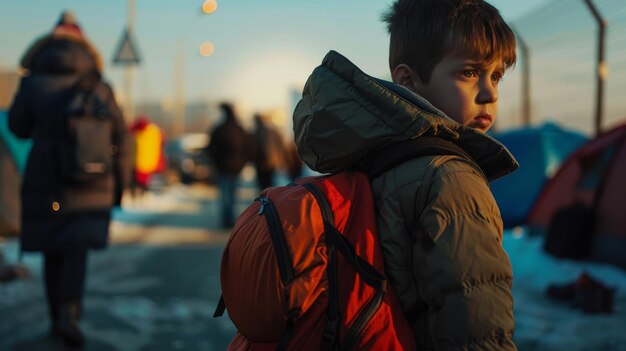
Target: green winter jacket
x=440 y=227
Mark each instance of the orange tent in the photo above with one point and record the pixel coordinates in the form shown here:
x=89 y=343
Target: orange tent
x=593 y=177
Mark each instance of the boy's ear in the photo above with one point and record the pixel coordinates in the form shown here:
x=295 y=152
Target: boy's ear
x=405 y=76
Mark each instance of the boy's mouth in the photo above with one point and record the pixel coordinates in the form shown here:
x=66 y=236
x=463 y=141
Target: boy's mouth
x=483 y=121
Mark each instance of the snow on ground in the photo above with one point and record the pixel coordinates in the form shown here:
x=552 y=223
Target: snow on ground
x=542 y=324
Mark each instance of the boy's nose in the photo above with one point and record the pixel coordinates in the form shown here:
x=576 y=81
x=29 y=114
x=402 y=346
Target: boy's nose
x=488 y=93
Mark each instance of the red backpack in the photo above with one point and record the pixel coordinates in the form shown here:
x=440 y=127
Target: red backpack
x=303 y=268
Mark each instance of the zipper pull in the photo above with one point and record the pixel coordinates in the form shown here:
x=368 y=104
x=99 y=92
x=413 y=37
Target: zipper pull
x=264 y=202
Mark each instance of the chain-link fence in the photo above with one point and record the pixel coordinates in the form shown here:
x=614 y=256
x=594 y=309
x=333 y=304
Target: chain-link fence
x=562 y=38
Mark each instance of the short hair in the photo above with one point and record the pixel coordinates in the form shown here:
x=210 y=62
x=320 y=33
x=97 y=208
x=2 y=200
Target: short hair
x=423 y=31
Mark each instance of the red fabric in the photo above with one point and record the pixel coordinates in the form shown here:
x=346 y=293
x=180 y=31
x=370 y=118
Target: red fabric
x=140 y=124
x=142 y=179
x=258 y=302
x=562 y=189
x=162 y=161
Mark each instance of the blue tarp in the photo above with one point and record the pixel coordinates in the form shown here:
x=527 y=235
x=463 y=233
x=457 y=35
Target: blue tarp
x=540 y=151
x=18 y=148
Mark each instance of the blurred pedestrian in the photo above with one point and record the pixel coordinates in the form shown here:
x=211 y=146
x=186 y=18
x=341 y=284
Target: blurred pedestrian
x=294 y=163
x=269 y=150
x=71 y=114
x=148 y=141
x=230 y=149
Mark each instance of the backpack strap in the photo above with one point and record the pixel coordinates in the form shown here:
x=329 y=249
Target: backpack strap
x=381 y=161
x=335 y=241
x=333 y=318
x=289 y=331
x=221 y=307
x=85 y=96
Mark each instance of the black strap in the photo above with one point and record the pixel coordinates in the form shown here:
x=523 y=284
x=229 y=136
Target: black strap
x=368 y=273
x=289 y=330
x=333 y=318
x=85 y=95
x=221 y=307
x=381 y=161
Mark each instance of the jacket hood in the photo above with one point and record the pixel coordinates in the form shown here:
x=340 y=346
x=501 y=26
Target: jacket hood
x=346 y=115
x=63 y=60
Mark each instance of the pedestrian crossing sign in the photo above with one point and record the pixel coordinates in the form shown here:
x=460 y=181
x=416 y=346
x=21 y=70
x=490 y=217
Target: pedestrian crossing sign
x=127 y=52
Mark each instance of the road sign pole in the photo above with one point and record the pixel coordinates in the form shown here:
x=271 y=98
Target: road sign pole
x=130 y=69
x=178 y=119
x=129 y=106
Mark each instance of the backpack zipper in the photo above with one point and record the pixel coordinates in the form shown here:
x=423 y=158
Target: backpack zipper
x=363 y=318
x=285 y=266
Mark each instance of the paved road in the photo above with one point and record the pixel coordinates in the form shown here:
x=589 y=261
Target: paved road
x=154 y=288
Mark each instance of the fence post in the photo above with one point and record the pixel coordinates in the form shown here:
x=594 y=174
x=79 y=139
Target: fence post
x=602 y=69
x=525 y=52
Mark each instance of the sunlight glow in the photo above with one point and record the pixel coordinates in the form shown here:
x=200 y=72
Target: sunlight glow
x=264 y=82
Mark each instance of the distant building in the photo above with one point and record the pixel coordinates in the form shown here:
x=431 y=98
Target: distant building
x=9 y=81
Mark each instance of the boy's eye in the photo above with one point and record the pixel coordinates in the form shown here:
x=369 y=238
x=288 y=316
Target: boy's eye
x=470 y=74
x=496 y=77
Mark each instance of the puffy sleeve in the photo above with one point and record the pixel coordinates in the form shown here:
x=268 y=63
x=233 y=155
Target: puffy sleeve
x=462 y=272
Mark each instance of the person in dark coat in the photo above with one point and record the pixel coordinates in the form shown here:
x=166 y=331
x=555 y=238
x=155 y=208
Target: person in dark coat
x=269 y=151
x=229 y=148
x=64 y=220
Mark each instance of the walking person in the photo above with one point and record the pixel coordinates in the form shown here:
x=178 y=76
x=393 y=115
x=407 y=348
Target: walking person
x=229 y=148
x=269 y=151
x=440 y=227
x=148 y=157
x=71 y=115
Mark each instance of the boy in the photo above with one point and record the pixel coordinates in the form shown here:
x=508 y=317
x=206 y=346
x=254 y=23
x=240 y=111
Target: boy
x=440 y=228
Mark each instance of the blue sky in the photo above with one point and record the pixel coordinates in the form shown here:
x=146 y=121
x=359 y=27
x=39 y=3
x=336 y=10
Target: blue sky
x=262 y=48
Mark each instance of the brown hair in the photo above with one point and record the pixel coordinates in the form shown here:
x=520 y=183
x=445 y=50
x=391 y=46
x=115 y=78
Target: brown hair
x=423 y=31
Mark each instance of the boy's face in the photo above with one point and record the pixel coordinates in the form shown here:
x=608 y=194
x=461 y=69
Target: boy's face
x=464 y=88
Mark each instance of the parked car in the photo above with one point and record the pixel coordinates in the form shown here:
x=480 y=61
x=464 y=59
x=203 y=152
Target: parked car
x=188 y=160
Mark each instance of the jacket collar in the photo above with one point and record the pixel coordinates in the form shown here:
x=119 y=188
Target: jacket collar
x=345 y=114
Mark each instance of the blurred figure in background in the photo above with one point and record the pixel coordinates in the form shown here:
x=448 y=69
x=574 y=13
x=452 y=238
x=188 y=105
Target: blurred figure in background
x=66 y=206
x=148 y=154
x=230 y=149
x=269 y=150
x=294 y=162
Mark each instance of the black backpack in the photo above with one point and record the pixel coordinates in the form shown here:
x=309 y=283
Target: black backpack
x=87 y=149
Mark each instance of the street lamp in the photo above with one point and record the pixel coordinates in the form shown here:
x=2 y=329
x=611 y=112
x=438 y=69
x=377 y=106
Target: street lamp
x=209 y=6
x=206 y=49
